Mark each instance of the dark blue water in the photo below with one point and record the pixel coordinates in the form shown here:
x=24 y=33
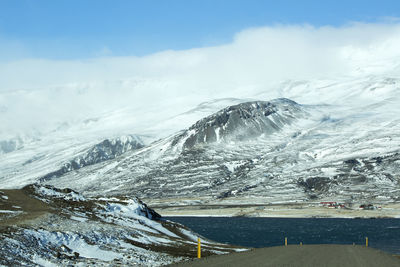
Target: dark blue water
x=383 y=234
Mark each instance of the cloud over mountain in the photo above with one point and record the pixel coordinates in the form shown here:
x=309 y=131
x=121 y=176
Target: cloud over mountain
x=258 y=58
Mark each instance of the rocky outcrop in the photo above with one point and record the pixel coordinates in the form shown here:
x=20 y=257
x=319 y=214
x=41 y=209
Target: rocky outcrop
x=106 y=150
x=241 y=122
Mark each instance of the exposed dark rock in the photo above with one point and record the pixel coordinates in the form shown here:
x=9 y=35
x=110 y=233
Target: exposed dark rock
x=241 y=122
x=7 y=146
x=352 y=162
x=315 y=183
x=106 y=150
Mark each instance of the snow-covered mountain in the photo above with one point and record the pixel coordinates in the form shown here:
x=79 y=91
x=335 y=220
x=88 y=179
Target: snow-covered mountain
x=106 y=150
x=55 y=154
x=7 y=146
x=295 y=141
x=328 y=138
x=241 y=122
x=278 y=151
x=280 y=117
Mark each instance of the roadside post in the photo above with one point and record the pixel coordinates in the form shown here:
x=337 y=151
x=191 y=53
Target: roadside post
x=285 y=241
x=198 y=248
x=366 y=241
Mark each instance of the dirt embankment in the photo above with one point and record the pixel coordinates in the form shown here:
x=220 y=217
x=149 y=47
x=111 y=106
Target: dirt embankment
x=306 y=255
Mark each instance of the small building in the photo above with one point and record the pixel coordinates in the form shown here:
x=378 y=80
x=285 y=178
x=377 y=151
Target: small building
x=329 y=204
x=332 y=204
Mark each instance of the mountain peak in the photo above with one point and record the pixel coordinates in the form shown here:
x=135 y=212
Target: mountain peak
x=242 y=121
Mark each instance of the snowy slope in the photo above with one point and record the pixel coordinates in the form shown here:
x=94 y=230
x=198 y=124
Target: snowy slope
x=349 y=146
x=344 y=119
x=30 y=155
x=73 y=230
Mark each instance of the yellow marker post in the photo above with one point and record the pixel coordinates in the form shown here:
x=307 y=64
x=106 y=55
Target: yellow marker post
x=285 y=241
x=198 y=248
x=366 y=241
x=301 y=243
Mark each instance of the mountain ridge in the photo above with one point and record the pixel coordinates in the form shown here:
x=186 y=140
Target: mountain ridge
x=275 y=163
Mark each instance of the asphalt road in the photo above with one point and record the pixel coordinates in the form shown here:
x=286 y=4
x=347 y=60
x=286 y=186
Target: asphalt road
x=306 y=255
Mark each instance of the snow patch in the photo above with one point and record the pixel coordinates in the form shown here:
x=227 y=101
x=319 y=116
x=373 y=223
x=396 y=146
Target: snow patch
x=79 y=219
x=9 y=211
x=43 y=262
x=232 y=166
x=74 y=242
x=48 y=192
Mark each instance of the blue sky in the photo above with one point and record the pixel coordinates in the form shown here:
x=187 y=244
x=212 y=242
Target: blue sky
x=74 y=29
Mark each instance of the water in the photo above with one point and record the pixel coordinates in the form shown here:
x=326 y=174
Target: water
x=383 y=234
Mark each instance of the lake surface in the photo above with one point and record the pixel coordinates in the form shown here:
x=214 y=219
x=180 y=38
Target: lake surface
x=383 y=234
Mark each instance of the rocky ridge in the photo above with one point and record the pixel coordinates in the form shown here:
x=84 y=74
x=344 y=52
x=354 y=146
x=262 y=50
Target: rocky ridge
x=43 y=225
x=277 y=151
x=106 y=150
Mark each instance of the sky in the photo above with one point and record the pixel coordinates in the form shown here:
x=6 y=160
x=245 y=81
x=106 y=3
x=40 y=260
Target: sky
x=68 y=59
x=75 y=29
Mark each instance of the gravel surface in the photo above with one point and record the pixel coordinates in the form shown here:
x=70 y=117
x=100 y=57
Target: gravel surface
x=306 y=255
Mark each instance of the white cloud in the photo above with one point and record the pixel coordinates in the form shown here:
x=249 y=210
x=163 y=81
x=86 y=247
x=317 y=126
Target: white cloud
x=59 y=90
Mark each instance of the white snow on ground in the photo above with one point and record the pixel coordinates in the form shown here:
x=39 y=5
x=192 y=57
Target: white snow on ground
x=233 y=165
x=42 y=262
x=350 y=108
x=131 y=209
x=353 y=113
x=79 y=219
x=72 y=241
x=146 y=239
x=96 y=232
x=47 y=192
x=124 y=213
x=108 y=199
x=9 y=211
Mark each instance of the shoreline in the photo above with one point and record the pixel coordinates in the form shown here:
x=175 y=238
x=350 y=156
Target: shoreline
x=297 y=210
x=277 y=216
